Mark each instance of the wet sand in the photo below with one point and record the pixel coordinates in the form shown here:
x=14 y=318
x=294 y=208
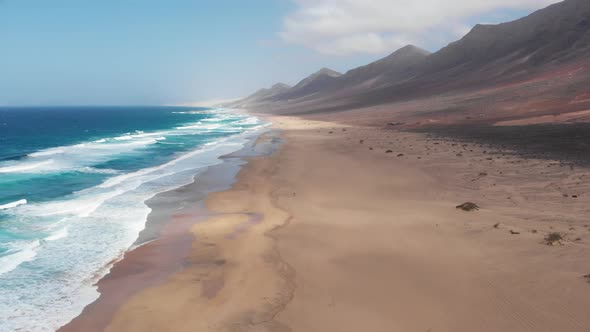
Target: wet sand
x=350 y=227
x=164 y=245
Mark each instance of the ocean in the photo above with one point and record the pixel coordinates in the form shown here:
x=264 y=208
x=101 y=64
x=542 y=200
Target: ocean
x=73 y=186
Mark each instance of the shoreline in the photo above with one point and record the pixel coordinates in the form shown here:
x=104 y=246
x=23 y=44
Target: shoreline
x=164 y=244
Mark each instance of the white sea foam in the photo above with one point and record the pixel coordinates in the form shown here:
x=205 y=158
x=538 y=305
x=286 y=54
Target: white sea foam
x=24 y=252
x=13 y=204
x=77 y=157
x=200 y=126
x=58 y=235
x=249 y=121
x=124 y=138
x=81 y=206
x=194 y=112
x=93 y=170
x=166 y=143
x=25 y=167
x=48 y=152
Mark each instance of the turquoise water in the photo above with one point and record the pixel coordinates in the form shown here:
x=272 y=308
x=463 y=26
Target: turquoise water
x=73 y=182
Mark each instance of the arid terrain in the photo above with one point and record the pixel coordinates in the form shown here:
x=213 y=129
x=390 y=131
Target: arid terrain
x=349 y=227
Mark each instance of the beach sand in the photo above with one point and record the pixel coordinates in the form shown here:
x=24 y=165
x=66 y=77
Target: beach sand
x=354 y=228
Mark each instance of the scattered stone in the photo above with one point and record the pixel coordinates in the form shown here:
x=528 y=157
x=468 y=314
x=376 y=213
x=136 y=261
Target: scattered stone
x=219 y=262
x=514 y=232
x=497 y=225
x=587 y=277
x=574 y=196
x=396 y=123
x=468 y=206
x=389 y=151
x=400 y=155
x=371 y=149
x=330 y=132
x=553 y=238
x=362 y=141
x=534 y=231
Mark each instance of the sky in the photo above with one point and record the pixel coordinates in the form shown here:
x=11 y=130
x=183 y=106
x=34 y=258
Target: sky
x=164 y=52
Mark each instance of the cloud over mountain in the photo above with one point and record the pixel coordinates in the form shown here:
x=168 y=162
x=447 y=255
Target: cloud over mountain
x=344 y=27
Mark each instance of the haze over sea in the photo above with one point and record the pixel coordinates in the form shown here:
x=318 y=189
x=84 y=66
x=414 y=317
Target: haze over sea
x=73 y=182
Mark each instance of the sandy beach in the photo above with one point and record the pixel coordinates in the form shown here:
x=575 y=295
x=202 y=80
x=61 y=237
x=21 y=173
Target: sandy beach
x=350 y=227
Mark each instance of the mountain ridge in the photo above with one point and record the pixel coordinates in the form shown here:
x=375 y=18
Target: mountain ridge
x=547 y=41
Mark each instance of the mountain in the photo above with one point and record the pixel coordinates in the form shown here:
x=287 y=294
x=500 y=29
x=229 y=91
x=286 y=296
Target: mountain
x=539 y=46
x=316 y=82
x=260 y=96
x=401 y=64
x=551 y=36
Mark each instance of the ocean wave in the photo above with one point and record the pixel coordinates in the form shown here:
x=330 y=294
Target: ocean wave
x=25 y=167
x=86 y=154
x=13 y=204
x=168 y=143
x=200 y=126
x=92 y=170
x=58 y=235
x=213 y=119
x=81 y=206
x=123 y=138
x=48 y=152
x=194 y=112
x=78 y=156
x=23 y=252
x=249 y=121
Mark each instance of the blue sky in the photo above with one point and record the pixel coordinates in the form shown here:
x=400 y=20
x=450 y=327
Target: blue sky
x=122 y=52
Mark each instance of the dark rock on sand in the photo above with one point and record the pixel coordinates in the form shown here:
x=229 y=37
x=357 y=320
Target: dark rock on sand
x=553 y=238
x=468 y=206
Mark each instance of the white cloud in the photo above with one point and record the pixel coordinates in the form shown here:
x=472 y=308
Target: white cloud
x=344 y=27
